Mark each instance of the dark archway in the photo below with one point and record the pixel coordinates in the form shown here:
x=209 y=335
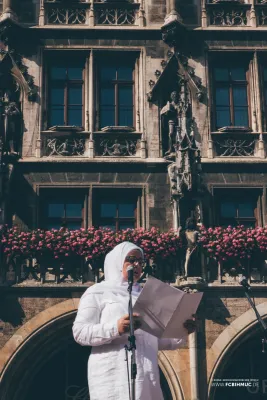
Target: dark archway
x=51 y=365
x=246 y=364
x=66 y=372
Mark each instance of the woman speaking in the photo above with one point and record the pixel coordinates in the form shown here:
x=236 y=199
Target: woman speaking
x=103 y=322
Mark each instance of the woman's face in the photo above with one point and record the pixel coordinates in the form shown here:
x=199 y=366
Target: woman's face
x=137 y=263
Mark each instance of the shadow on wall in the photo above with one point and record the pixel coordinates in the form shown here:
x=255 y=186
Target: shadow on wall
x=11 y=311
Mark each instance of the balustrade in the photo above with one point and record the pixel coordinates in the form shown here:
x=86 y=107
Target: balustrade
x=97 y=13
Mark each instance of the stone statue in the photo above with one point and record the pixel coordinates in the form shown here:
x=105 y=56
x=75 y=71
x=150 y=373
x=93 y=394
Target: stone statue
x=11 y=275
x=191 y=234
x=11 y=124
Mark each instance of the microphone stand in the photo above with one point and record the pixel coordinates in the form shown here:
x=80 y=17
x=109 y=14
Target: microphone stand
x=132 y=345
x=263 y=325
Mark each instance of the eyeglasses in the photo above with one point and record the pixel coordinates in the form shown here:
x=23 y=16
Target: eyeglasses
x=134 y=260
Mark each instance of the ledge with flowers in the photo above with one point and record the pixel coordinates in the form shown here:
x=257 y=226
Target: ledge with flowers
x=65 y=256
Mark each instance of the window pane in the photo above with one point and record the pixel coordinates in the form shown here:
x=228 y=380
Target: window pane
x=107 y=96
x=265 y=74
x=125 y=73
x=125 y=95
x=107 y=73
x=126 y=225
x=126 y=210
x=221 y=74
x=228 y=209
x=75 y=116
x=125 y=116
x=75 y=73
x=57 y=96
x=222 y=117
x=110 y=226
x=57 y=116
x=108 y=210
x=75 y=95
x=58 y=73
x=53 y=225
x=247 y=224
x=107 y=116
x=73 y=210
x=240 y=96
x=73 y=225
x=246 y=209
x=238 y=74
x=241 y=116
x=222 y=96
x=56 y=210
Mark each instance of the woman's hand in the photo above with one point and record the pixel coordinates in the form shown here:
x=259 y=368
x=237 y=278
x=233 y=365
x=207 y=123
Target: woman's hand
x=124 y=323
x=191 y=324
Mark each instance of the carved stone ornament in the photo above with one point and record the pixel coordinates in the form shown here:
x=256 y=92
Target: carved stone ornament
x=19 y=71
x=185 y=170
x=118 y=148
x=65 y=147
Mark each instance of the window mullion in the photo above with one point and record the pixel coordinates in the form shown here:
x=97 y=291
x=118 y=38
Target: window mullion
x=231 y=104
x=66 y=103
x=116 y=104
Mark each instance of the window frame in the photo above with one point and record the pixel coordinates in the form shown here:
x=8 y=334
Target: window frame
x=218 y=60
x=234 y=195
x=58 y=60
x=117 y=196
x=263 y=91
x=64 y=195
x=103 y=56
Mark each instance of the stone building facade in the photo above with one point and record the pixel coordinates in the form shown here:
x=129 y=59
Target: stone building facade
x=132 y=114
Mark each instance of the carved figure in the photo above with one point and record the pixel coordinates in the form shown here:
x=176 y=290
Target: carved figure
x=191 y=257
x=11 y=122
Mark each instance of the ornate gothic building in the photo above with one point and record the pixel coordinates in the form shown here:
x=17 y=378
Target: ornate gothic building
x=128 y=114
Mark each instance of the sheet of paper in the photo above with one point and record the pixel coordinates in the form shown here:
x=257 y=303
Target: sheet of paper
x=164 y=309
x=187 y=306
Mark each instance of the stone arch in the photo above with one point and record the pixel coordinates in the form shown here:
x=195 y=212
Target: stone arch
x=170 y=376
x=236 y=333
x=32 y=328
x=34 y=333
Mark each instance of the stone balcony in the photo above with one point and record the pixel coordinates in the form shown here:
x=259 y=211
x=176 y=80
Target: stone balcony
x=55 y=12
x=77 y=271
x=110 y=142
x=236 y=144
x=235 y=13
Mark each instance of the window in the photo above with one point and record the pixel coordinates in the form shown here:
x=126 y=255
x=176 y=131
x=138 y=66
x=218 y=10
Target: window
x=65 y=98
x=116 y=91
x=231 y=95
x=26 y=11
x=238 y=207
x=264 y=78
x=116 y=209
x=63 y=208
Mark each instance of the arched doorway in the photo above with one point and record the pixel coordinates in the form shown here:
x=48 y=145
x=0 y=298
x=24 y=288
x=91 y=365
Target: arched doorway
x=51 y=365
x=245 y=362
x=66 y=373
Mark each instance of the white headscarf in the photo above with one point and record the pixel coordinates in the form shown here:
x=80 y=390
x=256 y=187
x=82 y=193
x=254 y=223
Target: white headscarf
x=113 y=266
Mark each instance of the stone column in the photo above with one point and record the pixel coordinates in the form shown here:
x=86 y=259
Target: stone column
x=203 y=14
x=9 y=9
x=173 y=14
x=42 y=13
x=91 y=15
x=91 y=105
x=193 y=355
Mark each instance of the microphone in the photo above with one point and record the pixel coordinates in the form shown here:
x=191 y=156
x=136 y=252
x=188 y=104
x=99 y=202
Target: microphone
x=243 y=281
x=130 y=273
